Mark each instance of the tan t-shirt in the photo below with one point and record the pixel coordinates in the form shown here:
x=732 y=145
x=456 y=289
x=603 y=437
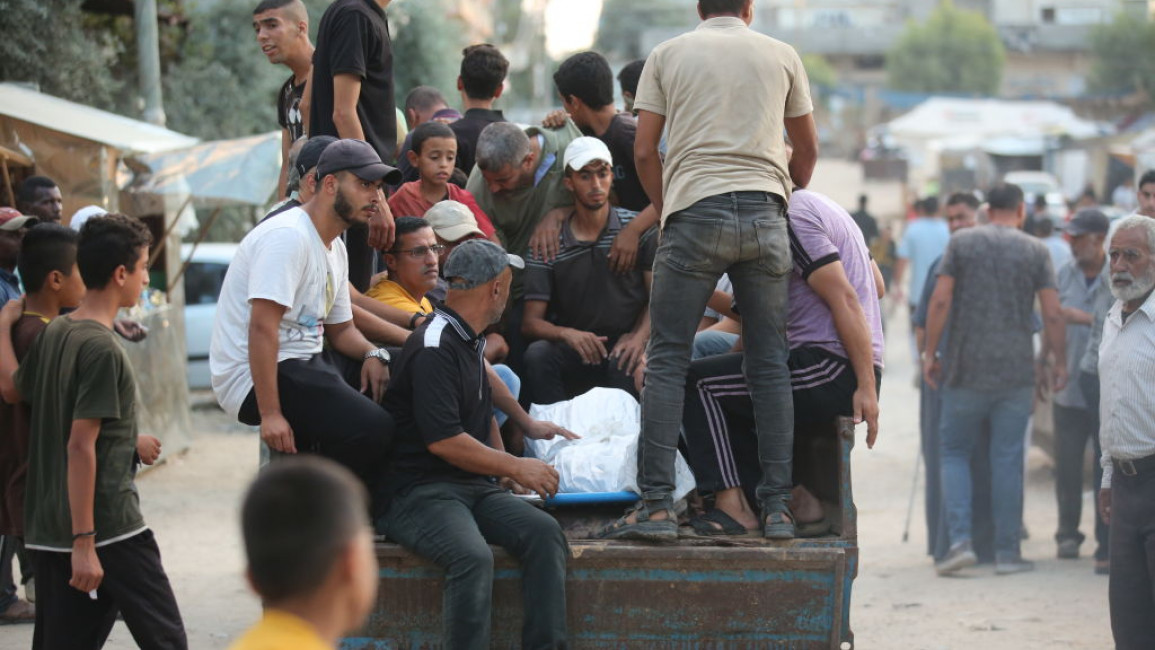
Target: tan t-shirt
x=724 y=90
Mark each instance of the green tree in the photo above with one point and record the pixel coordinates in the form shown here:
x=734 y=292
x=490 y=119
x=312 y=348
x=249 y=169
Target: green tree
x=45 y=42
x=426 y=47
x=954 y=51
x=1124 y=56
x=623 y=22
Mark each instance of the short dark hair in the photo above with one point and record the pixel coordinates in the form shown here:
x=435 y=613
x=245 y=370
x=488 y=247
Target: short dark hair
x=424 y=98
x=587 y=76
x=426 y=131
x=108 y=242
x=629 y=76
x=483 y=70
x=929 y=205
x=297 y=517
x=1147 y=177
x=31 y=187
x=715 y=7
x=965 y=198
x=406 y=225
x=47 y=247
x=1005 y=196
x=270 y=5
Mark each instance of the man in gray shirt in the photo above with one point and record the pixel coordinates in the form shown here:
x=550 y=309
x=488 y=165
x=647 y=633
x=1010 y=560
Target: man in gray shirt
x=987 y=284
x=1084 y=288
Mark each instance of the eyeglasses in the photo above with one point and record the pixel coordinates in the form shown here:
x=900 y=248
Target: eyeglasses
x=421 y=251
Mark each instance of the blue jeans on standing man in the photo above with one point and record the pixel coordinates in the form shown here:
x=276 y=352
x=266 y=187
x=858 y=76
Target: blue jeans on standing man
x=743 y=234
x=964 y=412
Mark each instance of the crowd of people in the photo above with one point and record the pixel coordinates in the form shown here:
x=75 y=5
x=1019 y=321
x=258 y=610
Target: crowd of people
x=427 y=274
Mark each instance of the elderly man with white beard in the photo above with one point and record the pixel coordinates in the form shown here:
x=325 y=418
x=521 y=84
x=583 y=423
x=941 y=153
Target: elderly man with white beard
x=1127 y=408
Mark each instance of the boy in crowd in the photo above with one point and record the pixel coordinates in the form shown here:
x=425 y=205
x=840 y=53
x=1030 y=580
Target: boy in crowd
x=422 y=104
x=48 y=266
x=482 y=79
x=95 y=555
x=433 y=155
x=310 y=555
x=628 y=79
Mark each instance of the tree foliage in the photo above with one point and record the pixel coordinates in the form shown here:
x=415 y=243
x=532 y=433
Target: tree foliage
x=45 y=43
x=1124 y=56
x=426 y=47
x=954 y=51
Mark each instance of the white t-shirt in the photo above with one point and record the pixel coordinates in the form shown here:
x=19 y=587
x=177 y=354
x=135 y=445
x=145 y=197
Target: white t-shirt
x=285 y=261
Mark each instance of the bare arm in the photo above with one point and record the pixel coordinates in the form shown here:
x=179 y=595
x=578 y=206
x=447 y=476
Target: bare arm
x=87 y=572
x=831 y=284
x=940 y=304
x=804 y=136
x=465 y=452
x=646 y=156
x=378 y=329
x=8 y=363
x=264 y=323
x=346 y=92
x=283 y=178
x=1055 y=334
x=624 y=251
x=723 y=303
x=306 y=105
x=349 y=341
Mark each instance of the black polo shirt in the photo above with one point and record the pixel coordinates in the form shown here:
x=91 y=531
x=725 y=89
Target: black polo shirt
x=468 y=129
x=582 y=291
x=353 y=38
x=438 y=390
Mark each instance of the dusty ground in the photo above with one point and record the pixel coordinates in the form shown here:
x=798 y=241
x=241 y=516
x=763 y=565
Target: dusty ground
x=898 y=603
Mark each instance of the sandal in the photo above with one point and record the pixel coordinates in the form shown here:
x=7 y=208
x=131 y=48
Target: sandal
x=659 y=531
x=716 y=523
x=777 y=521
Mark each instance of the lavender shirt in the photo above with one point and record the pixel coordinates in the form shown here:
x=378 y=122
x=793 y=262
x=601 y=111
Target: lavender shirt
x=822 y=232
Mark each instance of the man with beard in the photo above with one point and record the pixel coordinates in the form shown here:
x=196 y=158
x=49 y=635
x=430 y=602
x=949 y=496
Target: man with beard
x=287 y=291
x=590 y=323
x=1127 y=433
x=39 y=197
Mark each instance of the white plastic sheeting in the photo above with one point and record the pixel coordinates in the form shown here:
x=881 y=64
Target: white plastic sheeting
x=605 y=459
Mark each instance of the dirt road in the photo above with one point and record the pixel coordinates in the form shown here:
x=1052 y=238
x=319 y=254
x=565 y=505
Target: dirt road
x=898 y=603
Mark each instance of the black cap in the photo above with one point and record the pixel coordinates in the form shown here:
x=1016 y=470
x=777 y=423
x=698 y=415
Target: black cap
x=358 y=157
x=310 y=153
x=1088 y=221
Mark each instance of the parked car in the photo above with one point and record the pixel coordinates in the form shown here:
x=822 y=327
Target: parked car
x=1034 y=184
x=202 y=286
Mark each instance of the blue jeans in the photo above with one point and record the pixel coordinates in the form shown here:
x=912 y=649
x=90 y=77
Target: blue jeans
x=711 y=343
x=964 y=412
x=743 y=234
x=512 y=382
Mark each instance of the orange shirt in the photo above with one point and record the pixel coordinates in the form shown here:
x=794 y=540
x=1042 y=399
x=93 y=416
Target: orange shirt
x=408 y=202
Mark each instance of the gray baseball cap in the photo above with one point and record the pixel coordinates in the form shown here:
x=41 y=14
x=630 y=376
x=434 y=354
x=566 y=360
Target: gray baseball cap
x=310 y=153
x=477 y=261
x=1088 y=220
x=358 y=157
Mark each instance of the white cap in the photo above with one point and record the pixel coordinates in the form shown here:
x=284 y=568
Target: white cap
x=452 y=221
x=84 y=214
x=584 y=150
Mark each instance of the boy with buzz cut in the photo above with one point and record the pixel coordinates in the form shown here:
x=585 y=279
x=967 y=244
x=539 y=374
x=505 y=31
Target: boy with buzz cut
x=95 y=555
x=310 y=555
x=433 y=154
x=47 y=264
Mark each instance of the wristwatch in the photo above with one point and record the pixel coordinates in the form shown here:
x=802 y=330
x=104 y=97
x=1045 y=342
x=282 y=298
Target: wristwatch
x=380 y=354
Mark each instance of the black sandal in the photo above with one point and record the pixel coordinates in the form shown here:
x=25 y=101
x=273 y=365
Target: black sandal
x=704 y=525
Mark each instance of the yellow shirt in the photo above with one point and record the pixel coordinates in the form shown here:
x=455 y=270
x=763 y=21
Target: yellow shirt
x=280 y=631
x=395 y=295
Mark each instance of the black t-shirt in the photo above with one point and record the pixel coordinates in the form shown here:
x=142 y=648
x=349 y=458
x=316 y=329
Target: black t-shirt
x=438 y=390
x=353 y=38
x=867 y=224
x=468 y=129
x=619 y=139
x=289 y=108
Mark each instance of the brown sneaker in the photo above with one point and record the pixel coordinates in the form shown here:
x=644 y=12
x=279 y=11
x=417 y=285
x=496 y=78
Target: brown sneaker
x=18 y=612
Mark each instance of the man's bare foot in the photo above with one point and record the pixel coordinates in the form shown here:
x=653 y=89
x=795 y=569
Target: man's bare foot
x=805 y=506
x=733 y=503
